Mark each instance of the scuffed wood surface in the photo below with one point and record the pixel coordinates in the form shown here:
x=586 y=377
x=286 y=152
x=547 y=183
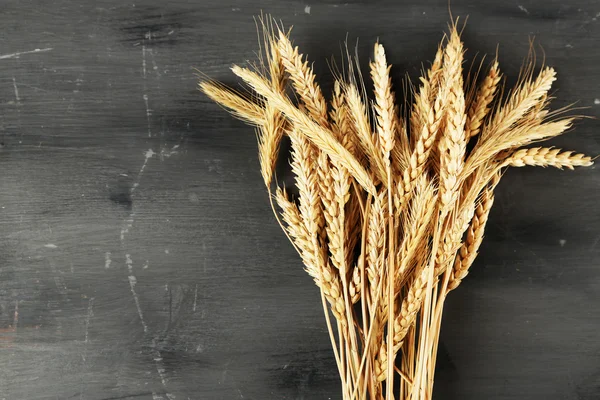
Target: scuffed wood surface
x=138 y=255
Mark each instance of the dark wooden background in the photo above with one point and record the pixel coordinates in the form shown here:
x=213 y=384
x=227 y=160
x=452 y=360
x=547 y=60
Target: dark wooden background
x=138 y=255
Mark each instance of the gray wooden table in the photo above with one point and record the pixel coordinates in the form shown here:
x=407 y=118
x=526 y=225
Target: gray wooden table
x=138 y=255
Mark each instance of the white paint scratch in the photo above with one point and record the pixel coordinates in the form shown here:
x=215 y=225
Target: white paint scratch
x=59 y=281
x=166 y=251
x=562 y=242
x=107 y=260
x=596 y=101
x=132 y=283
x=146 y=265
x=50 y=246
x=523 y=9
x=148 y=114
x=225 y=371
x=156 y=396
x=129 y=262
x=128 y=222
x=16 y=55
x=90 y=314
x=144 y=60
x=204 y=271
x=195 y=298
x=307 y=10
x=160 y=368
x=235 y=9
x=145 y=95
x=147 y=155
x=154 y=66
x=16 y=316
x=17 y=98
x=164 y=153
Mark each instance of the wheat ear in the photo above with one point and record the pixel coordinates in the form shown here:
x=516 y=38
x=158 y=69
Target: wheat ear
x=469 y=249
x=452 y=144
x=385 y=108
x=375 y=247
x=341 y=122
x=303 y=79
x=480 y=107
x=239 y=105
x=273 y=129
x=547 y=157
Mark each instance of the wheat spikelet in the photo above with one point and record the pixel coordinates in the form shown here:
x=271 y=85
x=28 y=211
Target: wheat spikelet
x=354 y=288
x=480 y=107
x=384 y=102
x=353 y=229
x=434 y=74
x=547 y=157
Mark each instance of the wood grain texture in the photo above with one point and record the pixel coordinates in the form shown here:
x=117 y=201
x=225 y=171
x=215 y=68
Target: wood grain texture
x=138 y=255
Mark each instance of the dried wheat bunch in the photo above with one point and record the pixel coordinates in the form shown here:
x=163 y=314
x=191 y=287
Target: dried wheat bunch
x=390 y=212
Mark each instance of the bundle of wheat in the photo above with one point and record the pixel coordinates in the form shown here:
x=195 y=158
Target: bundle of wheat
x=392 y=202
